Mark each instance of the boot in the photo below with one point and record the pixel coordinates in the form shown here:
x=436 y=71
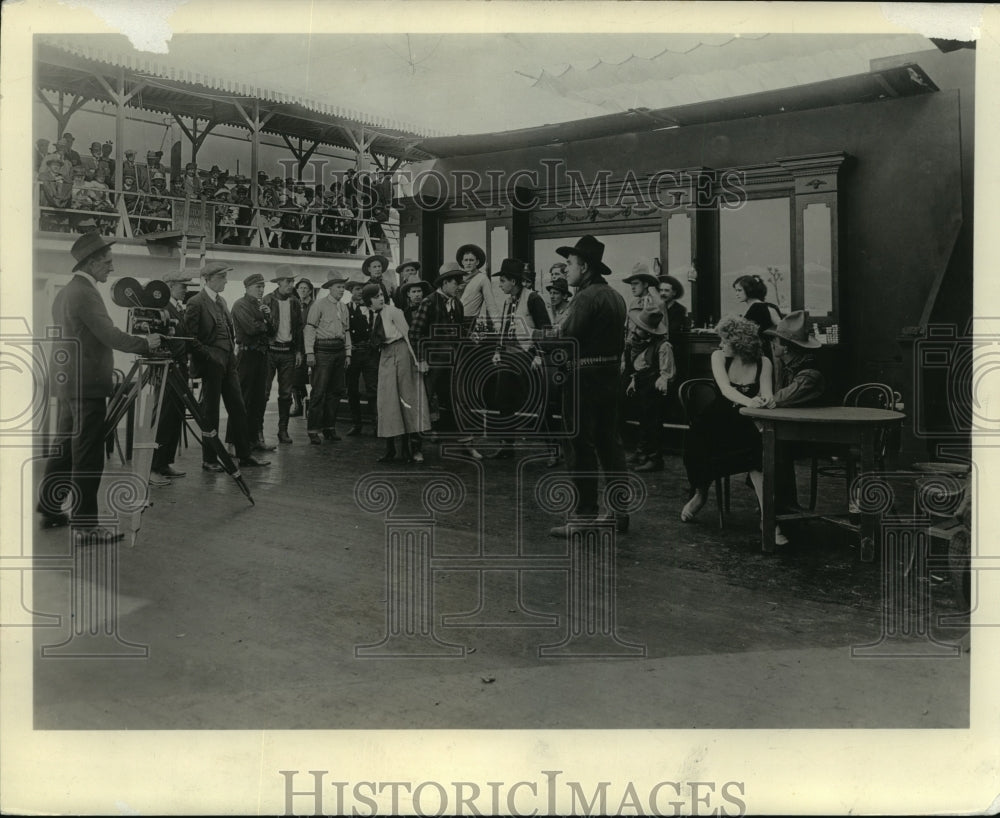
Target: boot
x=283 y=414
x=298 y=410
x=259 y=445
x=390 y=451
x=416 y=453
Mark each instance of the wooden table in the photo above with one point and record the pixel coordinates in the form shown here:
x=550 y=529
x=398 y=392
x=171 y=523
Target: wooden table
x=847 y=425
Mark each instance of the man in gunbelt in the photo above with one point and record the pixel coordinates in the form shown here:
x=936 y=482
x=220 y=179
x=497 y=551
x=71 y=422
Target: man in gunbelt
x=251 y=320
x=285 y=351
x=328 y=351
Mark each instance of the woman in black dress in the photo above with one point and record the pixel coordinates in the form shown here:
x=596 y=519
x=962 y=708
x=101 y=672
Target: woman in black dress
x=721 y=441
x=752 y=291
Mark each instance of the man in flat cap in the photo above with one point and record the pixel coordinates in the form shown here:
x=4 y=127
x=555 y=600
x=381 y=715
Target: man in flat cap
x=252 y=322
x=213 y=343
x=287 y=346
x=327 y=339
x=90 y=337
x=168 y=432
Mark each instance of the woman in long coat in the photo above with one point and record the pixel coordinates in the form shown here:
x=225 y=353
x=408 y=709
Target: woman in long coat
x=403 y=412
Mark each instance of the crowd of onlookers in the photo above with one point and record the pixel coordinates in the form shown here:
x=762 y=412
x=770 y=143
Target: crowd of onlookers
x=290 y=214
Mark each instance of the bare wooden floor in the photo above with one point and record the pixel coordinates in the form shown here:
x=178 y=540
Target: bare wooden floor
x=252 y=615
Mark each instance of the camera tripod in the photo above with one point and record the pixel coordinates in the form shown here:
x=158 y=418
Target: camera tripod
x=144 y=387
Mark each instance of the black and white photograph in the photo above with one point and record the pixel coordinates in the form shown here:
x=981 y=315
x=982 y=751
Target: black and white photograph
x=497 y=408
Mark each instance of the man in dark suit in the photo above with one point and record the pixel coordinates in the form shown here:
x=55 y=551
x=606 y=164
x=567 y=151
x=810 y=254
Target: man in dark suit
x=364 y=357
x=168 y=432
x=210 y=325
x=80 y=312
x=251 y=320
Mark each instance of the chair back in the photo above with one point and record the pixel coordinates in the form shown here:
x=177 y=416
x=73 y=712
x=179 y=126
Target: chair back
x=875 y=396
x=696 y=395
x=871 y=395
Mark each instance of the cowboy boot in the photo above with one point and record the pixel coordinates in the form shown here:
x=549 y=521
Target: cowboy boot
x=283 y=415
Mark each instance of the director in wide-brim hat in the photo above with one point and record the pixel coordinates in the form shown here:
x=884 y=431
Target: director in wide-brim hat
x=591 y=251
x=283 y=272
x=334 y=280
x=794 y=328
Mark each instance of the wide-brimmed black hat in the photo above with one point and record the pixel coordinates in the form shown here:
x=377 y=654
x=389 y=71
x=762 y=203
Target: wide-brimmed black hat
x=673 y=282
x=475 y=249
x=591 y=251
x=514 y=268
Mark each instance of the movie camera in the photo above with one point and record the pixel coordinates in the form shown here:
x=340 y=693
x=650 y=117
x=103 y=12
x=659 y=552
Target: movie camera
x=147 y=313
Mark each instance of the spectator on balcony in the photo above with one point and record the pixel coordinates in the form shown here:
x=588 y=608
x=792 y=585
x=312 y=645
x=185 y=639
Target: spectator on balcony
x=192 y=184
x=156 y=206
x=291 y=223
x=71 y=155
x=89 y=162
x=244 y=209
x=129 y=167
x=108 y=163
x=41 y=152
x=147 y=171
x=177 y=188
x=62 y=152
x=56 y=192
x=217 y=177
x=225 y=217
x=131 y=195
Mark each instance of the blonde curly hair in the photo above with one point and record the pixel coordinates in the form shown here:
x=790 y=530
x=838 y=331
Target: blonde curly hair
x=742 y=335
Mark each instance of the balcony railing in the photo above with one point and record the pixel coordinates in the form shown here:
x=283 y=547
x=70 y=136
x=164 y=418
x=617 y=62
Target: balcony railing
x=138 y=213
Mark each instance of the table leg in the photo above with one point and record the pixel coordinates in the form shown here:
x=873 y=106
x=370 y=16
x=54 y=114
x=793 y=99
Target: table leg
x=869 y=521
x=770 y=442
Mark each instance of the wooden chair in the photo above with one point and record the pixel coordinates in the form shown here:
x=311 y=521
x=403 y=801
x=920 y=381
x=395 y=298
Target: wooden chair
x=871 y=395
x=696 y=395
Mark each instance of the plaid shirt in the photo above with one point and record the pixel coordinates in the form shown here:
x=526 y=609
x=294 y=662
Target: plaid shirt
x=431 y=315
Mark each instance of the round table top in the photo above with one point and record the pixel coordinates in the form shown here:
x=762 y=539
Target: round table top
x=825 y=414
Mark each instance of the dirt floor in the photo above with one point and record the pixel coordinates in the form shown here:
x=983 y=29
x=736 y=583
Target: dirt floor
x=253 y=616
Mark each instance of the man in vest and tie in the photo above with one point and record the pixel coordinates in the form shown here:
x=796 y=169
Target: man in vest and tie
x=364 y=357
x=516 y=353
x=210 y=326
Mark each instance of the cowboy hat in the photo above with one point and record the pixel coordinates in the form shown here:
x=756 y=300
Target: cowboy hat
x=334 y=281
x=408 y=263
x=424 y=286
x=281 y=272
x=87 y=245
x=368 y=263
x=449 y=269
x=591 y=251
x=794 y=328
x=213 y=268
x=649 y=319
x=514 y=268
x=641 y=273
x=475 y=249
x=673 y=282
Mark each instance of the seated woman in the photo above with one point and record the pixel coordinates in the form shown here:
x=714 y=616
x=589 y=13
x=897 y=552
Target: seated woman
x=752 y=291
x=721 y=441
x=403 y=412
